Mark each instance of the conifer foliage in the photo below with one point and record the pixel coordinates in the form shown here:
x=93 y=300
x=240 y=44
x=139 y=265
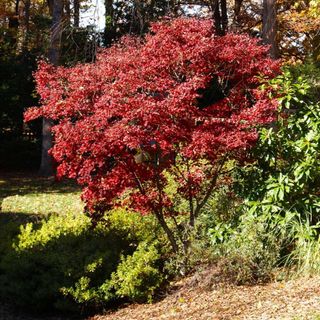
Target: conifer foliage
x=179 y=103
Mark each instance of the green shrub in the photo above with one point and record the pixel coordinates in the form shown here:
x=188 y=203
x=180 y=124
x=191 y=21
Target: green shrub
x=249 y=253
x=55 y=256
x=138 y=276
x=281 y=184
x=65 y=263
x=304 y=257
x=219 y=215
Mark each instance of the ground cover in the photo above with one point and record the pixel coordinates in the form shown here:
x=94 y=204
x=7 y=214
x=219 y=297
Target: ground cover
x=26 y=197
x=295 y=300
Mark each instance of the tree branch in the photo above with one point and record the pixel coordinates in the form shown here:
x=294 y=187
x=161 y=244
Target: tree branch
x=210 y=188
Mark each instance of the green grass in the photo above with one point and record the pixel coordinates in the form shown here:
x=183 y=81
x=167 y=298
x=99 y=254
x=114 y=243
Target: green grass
x=32 y=195
x=43 y=204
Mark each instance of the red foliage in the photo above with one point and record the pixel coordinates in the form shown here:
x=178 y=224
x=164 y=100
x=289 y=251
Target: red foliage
x=180 y=101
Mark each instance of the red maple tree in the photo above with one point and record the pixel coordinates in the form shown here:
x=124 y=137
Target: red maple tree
x=180 y=103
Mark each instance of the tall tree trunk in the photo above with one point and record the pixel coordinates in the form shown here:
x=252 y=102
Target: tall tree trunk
x=56 y=29
x=150 y=11
x=139 y=12
x=27 y=5
x=216 y=16
x=316 y=48
x=220 y=16
x=76 y=10
x=109 y=31
x=46 y=167
x=14 y=26
x=269 y=26
x=224 y=16
x=236 y=14
x=67 y=12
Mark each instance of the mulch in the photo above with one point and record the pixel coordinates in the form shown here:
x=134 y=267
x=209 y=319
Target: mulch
x=294 y=299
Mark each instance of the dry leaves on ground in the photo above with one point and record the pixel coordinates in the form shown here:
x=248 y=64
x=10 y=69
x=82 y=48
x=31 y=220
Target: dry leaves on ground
x=295 y=299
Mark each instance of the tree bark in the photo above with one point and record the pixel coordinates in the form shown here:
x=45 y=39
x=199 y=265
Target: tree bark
x=109 y=31
x=168 y=231
x=140 y=16
x=220 y=16
x=224 y=16
x=56 y=28
x=316 y=48
x=236 y=14
x=26 y=36
x=216 y=16
x=67 y=10
x=14 y=26
x=46 y=167
x=76 y=10
x=269 y=26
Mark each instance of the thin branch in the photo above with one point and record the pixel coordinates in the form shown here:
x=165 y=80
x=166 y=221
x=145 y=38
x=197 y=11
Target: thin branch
x=135 y=177
x=191 y=208
x=210 y=188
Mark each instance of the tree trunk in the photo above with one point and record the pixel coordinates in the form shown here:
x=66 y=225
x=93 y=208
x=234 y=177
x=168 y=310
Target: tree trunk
x=46 y=167
x=14 y=26
x=109 y=31
x=168 y=231
x=67 y=10
x=216 y=16
x=139 y=16
x=236 y=14
x=56 y=28
x=220 y=16
x=76 y=10
x=26 y=36
x=269 y=26
x=316 y=48
x=224 y=16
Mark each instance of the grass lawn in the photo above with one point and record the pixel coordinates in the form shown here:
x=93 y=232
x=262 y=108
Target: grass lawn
x=32 y=195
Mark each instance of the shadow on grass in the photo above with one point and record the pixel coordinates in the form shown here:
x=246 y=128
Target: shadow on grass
x=29 y=193
x=30 y=183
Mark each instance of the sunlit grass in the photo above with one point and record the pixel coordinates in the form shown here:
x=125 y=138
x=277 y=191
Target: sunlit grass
x=33 y=195
x=43 y=204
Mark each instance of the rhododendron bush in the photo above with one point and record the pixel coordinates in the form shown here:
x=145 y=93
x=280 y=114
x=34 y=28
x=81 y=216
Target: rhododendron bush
x=181 y=102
